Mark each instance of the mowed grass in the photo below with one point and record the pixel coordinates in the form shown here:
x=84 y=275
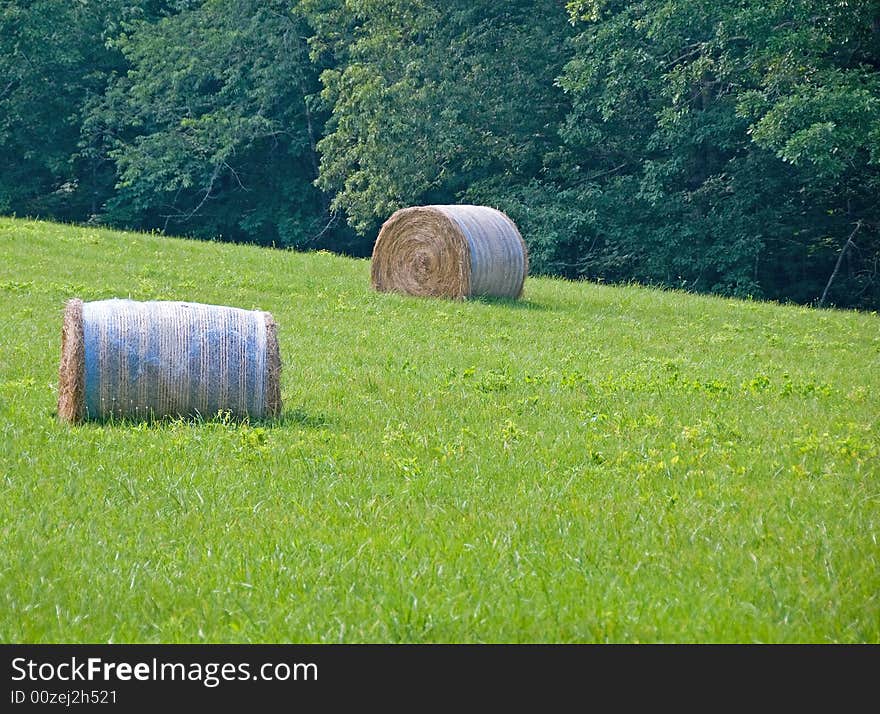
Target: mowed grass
x=590 y=464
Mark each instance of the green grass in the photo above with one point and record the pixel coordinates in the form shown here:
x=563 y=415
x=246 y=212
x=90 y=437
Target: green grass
x=590 y=464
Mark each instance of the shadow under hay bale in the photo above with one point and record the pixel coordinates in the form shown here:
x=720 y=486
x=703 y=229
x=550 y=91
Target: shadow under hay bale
x=148 y=360
x=450 y=251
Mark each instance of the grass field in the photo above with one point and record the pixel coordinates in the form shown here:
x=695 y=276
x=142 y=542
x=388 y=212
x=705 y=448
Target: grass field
x=590 y=464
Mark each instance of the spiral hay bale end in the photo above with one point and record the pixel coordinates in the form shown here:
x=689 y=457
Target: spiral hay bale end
x=450 y=251
x=141 y=360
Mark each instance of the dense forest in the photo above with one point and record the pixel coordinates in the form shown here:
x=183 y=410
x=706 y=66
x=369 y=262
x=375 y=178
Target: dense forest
x=716 y=146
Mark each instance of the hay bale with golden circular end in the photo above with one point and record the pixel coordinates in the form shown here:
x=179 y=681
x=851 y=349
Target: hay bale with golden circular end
x=143 y=360
x=450 y=251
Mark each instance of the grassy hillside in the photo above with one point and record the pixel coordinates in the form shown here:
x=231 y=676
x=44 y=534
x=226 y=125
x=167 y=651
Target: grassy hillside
x=589 y=464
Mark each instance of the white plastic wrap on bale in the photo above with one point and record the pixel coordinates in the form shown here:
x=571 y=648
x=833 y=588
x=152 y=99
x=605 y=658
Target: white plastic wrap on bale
x=163 y=358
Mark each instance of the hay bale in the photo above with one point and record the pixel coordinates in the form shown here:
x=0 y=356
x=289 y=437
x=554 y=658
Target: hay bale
x=450 y=251
x=122 y=358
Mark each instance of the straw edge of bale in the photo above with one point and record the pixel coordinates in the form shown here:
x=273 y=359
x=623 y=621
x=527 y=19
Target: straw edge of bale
x=71 y=370
x=459 y=277
x=273 y=368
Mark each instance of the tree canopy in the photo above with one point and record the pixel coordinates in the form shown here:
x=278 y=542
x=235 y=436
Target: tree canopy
x=731 y=148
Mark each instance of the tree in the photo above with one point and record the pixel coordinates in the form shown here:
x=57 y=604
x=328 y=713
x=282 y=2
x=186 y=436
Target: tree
x=717 y=147
x=724 y=148
x=54 y=60
x=435 y=102
x=213 y=129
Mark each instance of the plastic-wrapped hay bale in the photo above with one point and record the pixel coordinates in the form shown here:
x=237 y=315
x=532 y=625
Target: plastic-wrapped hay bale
x=123 y=358
x=450 y=251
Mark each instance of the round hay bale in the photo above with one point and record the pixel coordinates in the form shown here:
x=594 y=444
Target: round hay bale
x=142 y=360
x=450 y=251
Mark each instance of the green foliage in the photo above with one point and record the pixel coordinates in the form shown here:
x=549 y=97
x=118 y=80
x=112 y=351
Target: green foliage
x=589 y=464
x=715 y=147
x=725 y=149
x=830 y=125
x=429 y=99
x=212 y=129
x=54 y=60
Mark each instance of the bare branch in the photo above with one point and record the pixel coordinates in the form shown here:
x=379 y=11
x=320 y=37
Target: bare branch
x=333 y=219
x=849 y=242
x=7 y=88
x=235 y=175
x=207 y=192
x=609 y=171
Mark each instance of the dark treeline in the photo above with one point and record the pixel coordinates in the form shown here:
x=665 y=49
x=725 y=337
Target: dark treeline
x=709 y=145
